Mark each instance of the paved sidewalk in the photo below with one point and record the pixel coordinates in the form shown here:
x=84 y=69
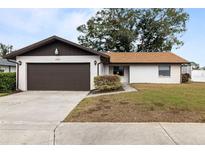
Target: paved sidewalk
x=102 y=133
x=126 y=87
x=27 y=133
x=130 y=133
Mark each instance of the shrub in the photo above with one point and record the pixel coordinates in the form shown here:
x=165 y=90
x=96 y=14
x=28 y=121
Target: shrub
x=185 y=77
x=107 y=82
x=7 y=82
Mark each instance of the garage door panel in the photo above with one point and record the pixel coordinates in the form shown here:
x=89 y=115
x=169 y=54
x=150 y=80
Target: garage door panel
x=58 y=76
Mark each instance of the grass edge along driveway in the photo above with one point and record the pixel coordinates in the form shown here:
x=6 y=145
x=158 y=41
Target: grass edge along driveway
x=4 y=94
x=152 y=103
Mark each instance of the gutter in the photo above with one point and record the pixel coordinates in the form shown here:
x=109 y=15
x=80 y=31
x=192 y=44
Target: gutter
x=17 y=71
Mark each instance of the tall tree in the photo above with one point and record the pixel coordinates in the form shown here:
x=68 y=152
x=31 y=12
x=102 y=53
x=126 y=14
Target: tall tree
x=140 y=30
x=5 y=49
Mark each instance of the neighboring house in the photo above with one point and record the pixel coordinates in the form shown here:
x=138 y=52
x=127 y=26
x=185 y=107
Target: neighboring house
x=6 y=66
x=58 y=64
x=194 y=66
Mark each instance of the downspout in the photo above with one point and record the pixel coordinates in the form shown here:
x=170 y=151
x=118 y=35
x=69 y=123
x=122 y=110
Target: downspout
x=98 y=68
x=17 y=71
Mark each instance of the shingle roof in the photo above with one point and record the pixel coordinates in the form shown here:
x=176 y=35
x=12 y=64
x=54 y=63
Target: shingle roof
x=4 y=62
x=145 y=57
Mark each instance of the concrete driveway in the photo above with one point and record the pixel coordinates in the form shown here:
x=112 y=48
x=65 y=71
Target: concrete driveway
x=32 y=117
x=38 y=106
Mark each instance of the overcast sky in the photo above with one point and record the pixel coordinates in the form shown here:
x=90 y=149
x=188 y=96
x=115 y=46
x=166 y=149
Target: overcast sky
x=21 y=27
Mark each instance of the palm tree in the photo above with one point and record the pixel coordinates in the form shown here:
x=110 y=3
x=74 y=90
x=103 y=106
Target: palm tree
x=5 y=49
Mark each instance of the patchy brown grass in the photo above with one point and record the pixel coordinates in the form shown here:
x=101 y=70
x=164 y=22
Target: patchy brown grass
x=152 y=103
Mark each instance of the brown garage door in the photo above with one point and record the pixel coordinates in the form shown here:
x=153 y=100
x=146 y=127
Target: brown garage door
x=58 y=76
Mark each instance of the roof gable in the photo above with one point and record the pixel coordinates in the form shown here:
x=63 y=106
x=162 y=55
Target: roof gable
x=26 y=51
x=64 y=49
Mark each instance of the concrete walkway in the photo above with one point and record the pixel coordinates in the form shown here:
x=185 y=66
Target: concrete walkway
x=103 y=133
x=126 y=87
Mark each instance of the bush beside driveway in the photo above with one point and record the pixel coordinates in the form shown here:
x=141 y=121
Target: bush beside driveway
x=152 y=103
x=7 y=83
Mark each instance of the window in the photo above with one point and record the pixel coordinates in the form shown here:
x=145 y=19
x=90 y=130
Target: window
x=164 y=70
x=118 y=70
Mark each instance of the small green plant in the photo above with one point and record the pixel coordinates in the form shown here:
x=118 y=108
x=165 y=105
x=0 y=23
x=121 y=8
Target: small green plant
x=7 y=82
x=107 y=82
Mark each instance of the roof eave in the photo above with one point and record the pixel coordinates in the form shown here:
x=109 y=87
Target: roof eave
x=149 y=62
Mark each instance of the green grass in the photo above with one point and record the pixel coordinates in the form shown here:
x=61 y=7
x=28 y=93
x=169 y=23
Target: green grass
x=152 y=102
x=4 y=94
x=184 y=96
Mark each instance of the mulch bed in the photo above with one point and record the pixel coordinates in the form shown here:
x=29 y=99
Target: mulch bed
x=95 y=91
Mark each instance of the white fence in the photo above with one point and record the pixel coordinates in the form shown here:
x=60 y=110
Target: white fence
x=198 y=75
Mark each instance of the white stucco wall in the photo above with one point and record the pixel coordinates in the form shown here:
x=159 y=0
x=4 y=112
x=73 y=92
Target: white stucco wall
x=150 y=74
x=6 y=68
x=105 y=69
x=55 y=59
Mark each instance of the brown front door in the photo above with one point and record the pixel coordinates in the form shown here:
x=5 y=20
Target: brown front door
x=58 y=76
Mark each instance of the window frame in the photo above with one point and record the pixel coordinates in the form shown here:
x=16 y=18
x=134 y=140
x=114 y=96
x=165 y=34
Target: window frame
x=163 y=65
x=123 y=70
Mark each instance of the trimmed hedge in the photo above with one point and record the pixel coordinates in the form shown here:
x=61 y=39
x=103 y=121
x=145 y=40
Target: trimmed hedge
x=185 y=77
x=7 y=82
x=107 y=82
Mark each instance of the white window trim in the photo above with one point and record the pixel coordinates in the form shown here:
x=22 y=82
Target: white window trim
x=163 y=76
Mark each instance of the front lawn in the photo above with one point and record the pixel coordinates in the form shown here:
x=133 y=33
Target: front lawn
x=152 y=103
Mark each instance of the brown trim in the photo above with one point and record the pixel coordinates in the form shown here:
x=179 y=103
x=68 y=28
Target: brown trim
x=51 y=39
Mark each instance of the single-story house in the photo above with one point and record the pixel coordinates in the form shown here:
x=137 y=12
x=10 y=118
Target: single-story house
x=6 y=66
x=58 y=64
